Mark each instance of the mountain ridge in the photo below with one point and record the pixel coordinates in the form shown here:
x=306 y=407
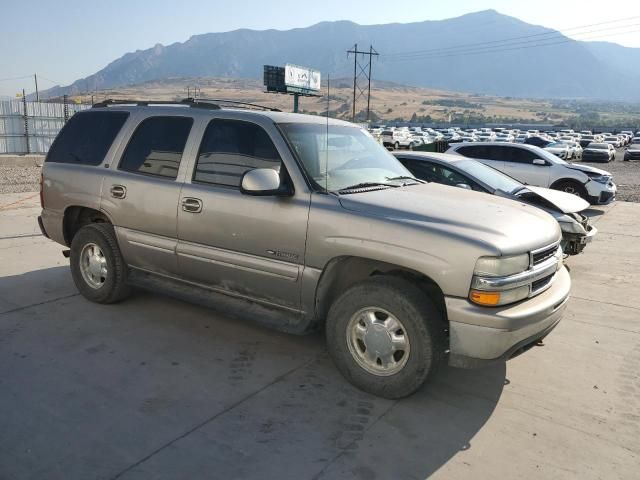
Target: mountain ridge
x=552 y=71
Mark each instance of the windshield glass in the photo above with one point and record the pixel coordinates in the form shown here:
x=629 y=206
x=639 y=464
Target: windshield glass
x=598 y=146
x=489 y=176
x=347 y=156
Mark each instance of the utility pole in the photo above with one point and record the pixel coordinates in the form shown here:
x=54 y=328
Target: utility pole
x=26 y=120
x=35 y=78
x=361 y=69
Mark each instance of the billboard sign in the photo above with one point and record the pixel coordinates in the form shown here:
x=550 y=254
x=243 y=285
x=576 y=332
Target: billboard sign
x=302 y=77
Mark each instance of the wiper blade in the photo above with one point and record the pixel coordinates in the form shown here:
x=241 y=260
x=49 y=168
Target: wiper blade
x=366 y=185
x=405 y=177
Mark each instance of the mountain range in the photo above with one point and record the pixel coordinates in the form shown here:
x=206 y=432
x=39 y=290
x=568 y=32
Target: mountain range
x=484 y=52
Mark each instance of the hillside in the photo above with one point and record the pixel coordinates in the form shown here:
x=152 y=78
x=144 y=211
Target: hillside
x=552 y=71
x=389 y=102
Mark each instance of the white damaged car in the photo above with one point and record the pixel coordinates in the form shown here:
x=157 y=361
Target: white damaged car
x=458 y=171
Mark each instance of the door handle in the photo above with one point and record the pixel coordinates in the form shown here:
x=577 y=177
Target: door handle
x=118 y=191
x=192 y=205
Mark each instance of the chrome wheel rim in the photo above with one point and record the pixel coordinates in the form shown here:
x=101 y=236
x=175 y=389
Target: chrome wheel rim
x=378 y=341
x=93 y=265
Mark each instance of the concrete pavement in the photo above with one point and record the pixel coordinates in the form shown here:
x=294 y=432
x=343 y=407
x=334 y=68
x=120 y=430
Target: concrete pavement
x=157 y=388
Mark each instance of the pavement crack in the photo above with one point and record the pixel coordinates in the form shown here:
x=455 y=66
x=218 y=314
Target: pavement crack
x=212 y=418
x=18 y=309
x=606 y=303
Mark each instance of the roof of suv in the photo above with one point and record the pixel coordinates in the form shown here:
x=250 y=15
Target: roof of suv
x=195 y=110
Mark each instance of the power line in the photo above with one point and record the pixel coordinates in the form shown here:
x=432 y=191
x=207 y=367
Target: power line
x=500 y=48
x=550 y=33
x=14 y=78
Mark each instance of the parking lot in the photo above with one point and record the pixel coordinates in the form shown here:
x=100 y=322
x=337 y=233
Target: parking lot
x=157 y=388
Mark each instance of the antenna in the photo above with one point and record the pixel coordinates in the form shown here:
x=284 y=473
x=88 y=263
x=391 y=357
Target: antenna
x=326 y=148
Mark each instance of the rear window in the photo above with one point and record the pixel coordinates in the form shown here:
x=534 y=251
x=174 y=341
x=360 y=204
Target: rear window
x=86 y=138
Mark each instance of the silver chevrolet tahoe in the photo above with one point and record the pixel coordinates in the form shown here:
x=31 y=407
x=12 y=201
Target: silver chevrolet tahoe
x=301 y=223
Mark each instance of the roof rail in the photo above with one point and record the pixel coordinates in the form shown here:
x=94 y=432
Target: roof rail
x=211 y=103
x=144 y=103
x=232 y=103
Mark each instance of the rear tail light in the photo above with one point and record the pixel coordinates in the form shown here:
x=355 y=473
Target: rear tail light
x=41 y=191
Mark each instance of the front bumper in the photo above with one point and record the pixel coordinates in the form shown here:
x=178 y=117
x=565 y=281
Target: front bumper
x=483 y=335
x=600 y=193
x=574 y=243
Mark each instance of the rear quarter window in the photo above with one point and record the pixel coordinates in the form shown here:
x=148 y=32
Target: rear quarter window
x=86 y=138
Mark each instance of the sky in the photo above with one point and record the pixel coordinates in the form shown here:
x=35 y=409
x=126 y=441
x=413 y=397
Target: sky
x=65 y=40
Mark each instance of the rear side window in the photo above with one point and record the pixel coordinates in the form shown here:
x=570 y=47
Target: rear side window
x=230 y=148
x=475 y=151
x=156 y=146
x=86 y=138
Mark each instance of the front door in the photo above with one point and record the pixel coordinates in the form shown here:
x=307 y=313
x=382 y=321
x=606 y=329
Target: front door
x=519 y=163
x=251 y=246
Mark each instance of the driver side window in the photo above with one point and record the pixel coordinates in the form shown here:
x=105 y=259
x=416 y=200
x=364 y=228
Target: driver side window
x=230 y=148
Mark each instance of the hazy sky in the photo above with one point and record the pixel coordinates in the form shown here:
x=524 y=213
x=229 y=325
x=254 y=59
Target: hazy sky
x=65 y=40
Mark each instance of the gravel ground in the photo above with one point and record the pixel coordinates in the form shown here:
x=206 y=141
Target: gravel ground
x=625 y=174
x=19 y=179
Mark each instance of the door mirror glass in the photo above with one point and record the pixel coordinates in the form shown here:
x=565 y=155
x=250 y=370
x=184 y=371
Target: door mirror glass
x=466 y=186
x=263 y=181
x=539 y=161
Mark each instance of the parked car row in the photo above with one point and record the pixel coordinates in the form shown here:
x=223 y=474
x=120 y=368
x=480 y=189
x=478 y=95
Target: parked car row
x=565 y=144
x=305 y=223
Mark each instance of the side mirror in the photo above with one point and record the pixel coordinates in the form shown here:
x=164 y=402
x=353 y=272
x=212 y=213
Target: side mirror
x=540 y=162
x=263 y=182
x=466 y=186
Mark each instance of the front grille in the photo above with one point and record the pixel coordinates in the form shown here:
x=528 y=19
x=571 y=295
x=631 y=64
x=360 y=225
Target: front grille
x=540 y=284
x=542 y=255
x=606 y=196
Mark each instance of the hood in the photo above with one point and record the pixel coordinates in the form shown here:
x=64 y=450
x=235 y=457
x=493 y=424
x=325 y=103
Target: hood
x=587 y=169
x=562 y=201
x=509 y=226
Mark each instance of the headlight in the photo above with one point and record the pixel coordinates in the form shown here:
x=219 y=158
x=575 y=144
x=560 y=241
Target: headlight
x=601 y=179
x=495 y=299
x=501 y=266
x=570 y=226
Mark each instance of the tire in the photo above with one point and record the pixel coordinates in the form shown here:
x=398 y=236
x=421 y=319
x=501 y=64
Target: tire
x=571 y=186
x=109 y=284
x=420 y=325
x=396 y=146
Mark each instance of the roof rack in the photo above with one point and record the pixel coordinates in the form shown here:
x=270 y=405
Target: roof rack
x=232 y=103
x=144 y=103
x=211 y=103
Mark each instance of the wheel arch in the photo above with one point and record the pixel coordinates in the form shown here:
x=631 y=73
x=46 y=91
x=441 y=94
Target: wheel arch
x=342 y=272
x=76 y=216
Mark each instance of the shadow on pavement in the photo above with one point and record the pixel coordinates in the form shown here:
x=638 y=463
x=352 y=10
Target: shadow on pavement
x=157 y=388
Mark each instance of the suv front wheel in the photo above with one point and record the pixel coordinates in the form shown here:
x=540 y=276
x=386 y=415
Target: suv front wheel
x=385 y=336
x=97 y=266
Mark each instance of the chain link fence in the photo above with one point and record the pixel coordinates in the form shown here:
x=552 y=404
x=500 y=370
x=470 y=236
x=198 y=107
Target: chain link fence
x=30 y=127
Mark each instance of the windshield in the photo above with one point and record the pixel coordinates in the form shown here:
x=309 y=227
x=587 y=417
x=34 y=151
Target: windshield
x=598 y=146
x=347 y=156
x=489 y=176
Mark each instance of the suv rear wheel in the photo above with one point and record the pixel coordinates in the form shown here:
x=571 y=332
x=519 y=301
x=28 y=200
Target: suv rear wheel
x=97 y=266
x=385 y=336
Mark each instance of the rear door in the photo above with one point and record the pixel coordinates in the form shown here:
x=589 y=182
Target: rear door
x=251 y=246
x=141 y=192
